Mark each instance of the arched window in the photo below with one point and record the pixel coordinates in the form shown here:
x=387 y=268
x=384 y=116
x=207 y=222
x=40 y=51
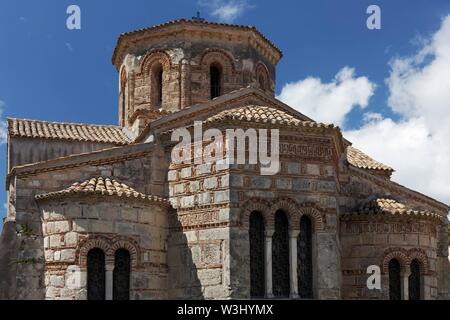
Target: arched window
x=215 y=75
x=262 y=82
x=96 y=274
x=414 y=281
x=304 y=259
x=280 y=256
x=157 y=84
x=395 y=287
x=257 y=268
x=121 y=275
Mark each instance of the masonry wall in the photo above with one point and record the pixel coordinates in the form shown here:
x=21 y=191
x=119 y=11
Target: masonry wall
x=27 y=150
x=28 y=261
x=73 y=226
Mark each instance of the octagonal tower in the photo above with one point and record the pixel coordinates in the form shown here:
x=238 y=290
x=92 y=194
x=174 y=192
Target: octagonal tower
x=169 y=67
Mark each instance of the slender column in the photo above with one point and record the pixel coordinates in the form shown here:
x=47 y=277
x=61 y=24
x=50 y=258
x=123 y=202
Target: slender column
x=293 y=235
x=268 y=257
x=405 y=284
x=109 y=282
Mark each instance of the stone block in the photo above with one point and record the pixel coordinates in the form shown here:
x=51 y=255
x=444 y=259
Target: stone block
x=303 y=184
x=313 y=169
x=71 y=239
x=236 y=180
x=221 y=196
x=186 y=173
x=326 y=186
x=293 y=168
x=194 y=186
x=204 y=198
x=173 y=175
x=284 y=183
x=261 y=182
x=62 y=226
x=68 y=255
x=210 y=183
x=102 y=226
x=187 y=202
x=130 y=214
x=209 y=277
x=204 y=169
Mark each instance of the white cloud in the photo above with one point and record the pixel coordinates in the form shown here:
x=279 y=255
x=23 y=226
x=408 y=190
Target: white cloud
x=225 y=10
x=418 y=145
x=329 y=102
x=3 y=126
x=69 y=46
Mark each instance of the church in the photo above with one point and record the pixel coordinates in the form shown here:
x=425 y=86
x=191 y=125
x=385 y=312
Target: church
x=102 y=212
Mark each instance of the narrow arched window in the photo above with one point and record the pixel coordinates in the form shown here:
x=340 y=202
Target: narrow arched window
x=262 y=82
x=96 y=274
x=304 y=259
x=395 y=287
x=257 y=262
x=157 y=85
x=414 y=286
x=215 y=75
x=280 y=256
x=121 y=275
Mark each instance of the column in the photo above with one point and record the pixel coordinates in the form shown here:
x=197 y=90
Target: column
x=109 y=282
x=293 y=235
x=405 y=284
x=268 y=257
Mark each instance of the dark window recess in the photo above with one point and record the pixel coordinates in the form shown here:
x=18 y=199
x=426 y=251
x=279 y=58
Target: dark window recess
x=414 y=281
x=159 y=83
x=304 y=259
x=257 y=262
x=96 y=274
x=121 y=275
x=395 y=288
x=280 y=256
x=215 y=76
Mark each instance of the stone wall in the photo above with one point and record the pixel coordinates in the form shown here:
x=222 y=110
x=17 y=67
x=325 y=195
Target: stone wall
x=73 y=226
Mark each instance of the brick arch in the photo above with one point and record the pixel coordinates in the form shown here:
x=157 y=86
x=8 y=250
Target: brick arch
x=128 y=244
x=219 y=56
x=253 y=205
x=421 y=257
x=289 y=207
x=123 y=77
x=398 y=253
x=261 y=70
x=89 y=244
x=314 y=213
x=153 y=57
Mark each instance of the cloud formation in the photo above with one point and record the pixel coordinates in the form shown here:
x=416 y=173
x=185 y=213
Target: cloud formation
x=417 y=145
x=3 y=126
x=225 y=10
x=329 y=102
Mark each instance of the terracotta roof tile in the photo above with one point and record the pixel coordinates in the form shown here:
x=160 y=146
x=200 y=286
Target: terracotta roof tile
x=103 y=186
x=264 y=114
x=67 y=131
x=390 y=206
x=360 y=160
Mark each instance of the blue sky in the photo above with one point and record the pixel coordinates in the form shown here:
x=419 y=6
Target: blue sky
x=48 y=72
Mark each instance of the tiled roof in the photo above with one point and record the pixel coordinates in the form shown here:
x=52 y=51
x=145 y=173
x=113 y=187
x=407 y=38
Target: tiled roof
x=391 y=206
x=67 y=131
x=104 y=187
x=195 y=22
x=360 y=160
x=264 y=114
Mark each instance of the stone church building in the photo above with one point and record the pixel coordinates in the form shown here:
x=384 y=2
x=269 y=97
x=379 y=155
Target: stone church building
x=103 y=211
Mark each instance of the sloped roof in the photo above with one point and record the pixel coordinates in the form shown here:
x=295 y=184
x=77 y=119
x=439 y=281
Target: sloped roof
x=26 y=128
x=191 y=22
x=102 y=186
x=361 y=160
x=392 y=207
x=264 y=114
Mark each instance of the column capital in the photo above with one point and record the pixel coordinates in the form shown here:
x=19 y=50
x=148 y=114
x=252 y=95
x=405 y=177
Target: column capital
x=269 y=233
x=294 y=233
x=109 y=267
